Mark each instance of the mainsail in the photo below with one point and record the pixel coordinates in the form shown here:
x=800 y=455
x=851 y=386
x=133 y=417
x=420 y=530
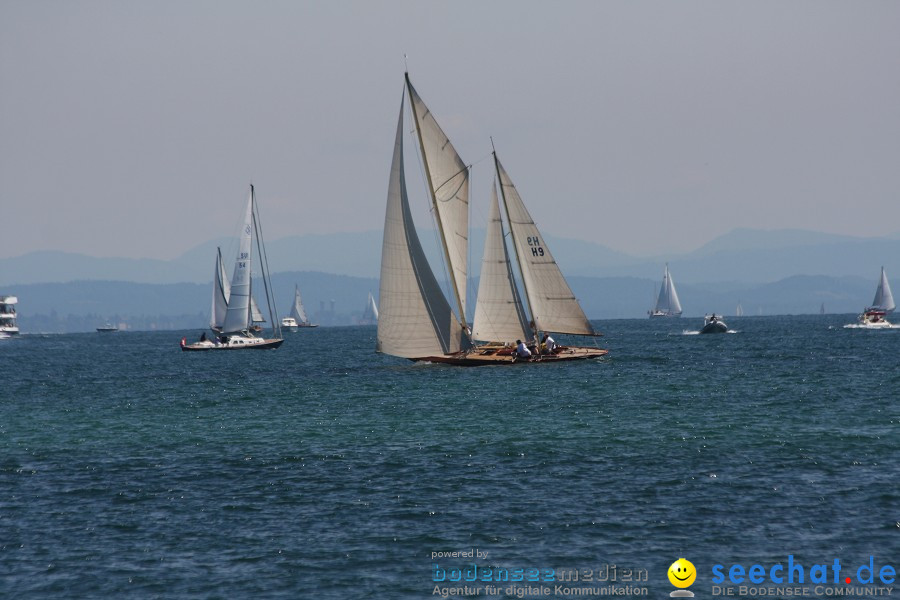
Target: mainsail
x=884 y=299
x=499 y=316
x=668 y=303
x=238 y=315
x=551 y=301
x=415 y=321
x=448 y=178
x=221 y=292
x=297 y=311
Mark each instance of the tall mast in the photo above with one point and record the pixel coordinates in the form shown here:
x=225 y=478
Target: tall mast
x=532 y=324
x=437 y=213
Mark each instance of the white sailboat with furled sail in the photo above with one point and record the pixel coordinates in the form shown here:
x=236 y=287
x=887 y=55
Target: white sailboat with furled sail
x=873 y=317
x=667 y=304
x=232 y=304
x=416 y=321
x=297 y=319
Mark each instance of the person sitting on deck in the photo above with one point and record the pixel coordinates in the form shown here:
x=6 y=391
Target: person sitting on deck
x=522 y=351
x=548 y=344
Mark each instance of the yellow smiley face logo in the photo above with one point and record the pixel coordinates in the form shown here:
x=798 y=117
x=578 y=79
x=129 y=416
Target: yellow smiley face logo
x=682 y=573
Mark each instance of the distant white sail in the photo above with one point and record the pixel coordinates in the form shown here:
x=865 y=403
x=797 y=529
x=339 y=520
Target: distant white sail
x=415 y=319
x=237 y=318
x=297 y=310
x=449 y=180
x=884 y=299
x=256 y=315
x=221 y=292
x=552 y=303
x=371 y=311
x=499 y=316
x=739 y=311
x=667 y=303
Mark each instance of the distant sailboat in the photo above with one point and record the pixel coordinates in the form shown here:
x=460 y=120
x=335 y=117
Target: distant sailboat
x=297 y=319
x=667 y=304
x=739 y=311
x=416 y=321
x=234 y=332
x=873 y=317
x=370 y=313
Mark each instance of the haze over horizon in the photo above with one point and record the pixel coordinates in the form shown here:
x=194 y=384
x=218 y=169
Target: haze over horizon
x=133 y=130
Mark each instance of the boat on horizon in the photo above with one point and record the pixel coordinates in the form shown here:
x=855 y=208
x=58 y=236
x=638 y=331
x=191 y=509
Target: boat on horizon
x=370 y=312
x=415 y=319
x=9 y=325
x=667 y=304
x=297 y=319
x=713 y=324
x=875 y=316
x=234 y=331
x=107 y=328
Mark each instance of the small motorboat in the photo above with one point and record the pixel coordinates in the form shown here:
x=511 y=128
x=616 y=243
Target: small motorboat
x=714 y=324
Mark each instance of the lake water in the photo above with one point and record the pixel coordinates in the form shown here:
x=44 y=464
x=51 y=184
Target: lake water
x=129 y=469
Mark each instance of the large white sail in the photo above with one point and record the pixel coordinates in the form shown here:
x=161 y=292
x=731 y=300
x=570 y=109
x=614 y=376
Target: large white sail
x=499 y=316
x=668 y=303
x=449 y=180
x=221 y=292
x=415 y=320
x=297 y=310
x=884 y=299
x=552 y=303
x=238 y=315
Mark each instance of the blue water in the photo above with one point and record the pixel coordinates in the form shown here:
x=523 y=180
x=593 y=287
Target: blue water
x=129 y=469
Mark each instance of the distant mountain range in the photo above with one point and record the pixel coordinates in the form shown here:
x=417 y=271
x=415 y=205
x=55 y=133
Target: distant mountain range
x=742 y=256
x=768 y=272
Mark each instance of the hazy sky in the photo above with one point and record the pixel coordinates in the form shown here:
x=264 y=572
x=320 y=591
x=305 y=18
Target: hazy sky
x=134 y=128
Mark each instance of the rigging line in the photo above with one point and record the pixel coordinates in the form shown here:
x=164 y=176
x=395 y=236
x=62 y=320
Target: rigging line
x=264 y=265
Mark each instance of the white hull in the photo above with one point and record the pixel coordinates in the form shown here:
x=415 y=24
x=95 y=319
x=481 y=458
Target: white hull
x=660 y=313
x=234 y=342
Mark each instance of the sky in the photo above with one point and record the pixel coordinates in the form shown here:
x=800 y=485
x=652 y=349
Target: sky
x=133 y=129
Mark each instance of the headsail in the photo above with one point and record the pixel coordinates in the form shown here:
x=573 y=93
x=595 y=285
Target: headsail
x=552 y=303
x=448 y=177
x=238 y=315
x=297 y=310
x=499 y=316
x=415 y=320
x=884 y=299
x=221 y=292
x=668 y=298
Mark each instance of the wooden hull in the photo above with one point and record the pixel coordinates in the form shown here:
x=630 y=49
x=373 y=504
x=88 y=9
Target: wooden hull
x=484 y=356
x=246 y=344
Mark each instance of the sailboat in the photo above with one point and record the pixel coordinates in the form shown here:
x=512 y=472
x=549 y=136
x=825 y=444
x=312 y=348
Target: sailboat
x=873 y=317
x=297 y=319
x=739 y=311
x=232 y=313
x=416 y=321
x=667 y=304
x=370 y=313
